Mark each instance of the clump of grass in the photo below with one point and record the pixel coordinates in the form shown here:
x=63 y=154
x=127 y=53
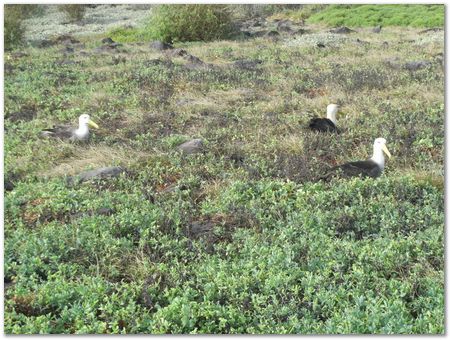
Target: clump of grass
x=171 y=23
x=386 y=15
x=13 y=24
x=129 y=34
x=73 y=12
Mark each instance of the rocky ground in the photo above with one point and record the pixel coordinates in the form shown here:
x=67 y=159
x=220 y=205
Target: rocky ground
x=98 y=19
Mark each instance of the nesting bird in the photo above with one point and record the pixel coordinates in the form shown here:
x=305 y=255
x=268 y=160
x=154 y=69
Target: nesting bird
x=372 y=167
x=70 y=132
x=326 y=124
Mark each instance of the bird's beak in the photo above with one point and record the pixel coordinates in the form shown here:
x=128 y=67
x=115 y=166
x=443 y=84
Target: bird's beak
x=91 y=123
x=386 y=151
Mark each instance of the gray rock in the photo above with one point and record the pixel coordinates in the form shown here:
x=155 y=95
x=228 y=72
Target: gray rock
x=193 y=59
x=258 y=34
x=107 y=172
x=177 y=52
x=377 y=29
x=247 y=64
x=284 y=26
x=416 y=65
x=272 y=33
x=160 y=46
x=341 y=30
x=392 y=62
x=107 y=41
x=434 y=29
x=191 y=147
x=9 y=185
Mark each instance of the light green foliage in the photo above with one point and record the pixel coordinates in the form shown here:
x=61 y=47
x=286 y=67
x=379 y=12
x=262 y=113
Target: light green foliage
x=386 y=15
x=171 y=23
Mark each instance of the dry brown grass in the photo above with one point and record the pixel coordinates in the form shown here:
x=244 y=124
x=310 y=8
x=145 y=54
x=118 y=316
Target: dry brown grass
x=94 y=157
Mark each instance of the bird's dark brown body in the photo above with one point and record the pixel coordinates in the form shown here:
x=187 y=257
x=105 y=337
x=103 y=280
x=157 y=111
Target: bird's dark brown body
x=323 y=125
x=366 y=168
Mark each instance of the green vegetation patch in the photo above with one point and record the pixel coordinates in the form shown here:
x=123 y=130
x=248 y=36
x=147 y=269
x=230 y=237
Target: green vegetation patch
x=171 y=23
x=362 y=256
x=386 y=15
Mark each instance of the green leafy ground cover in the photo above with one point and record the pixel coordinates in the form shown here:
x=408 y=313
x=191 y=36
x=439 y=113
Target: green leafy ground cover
x=386 y=15
x=248 y=241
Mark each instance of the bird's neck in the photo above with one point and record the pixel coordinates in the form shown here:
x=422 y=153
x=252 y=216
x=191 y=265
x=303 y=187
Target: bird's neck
x=378 y=157
x=332 y=116
x=82 y=130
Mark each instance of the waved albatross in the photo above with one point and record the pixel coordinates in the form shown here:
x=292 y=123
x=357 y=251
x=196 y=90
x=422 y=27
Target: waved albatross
x=72 y=133
x=326 y=124
x=372 y=167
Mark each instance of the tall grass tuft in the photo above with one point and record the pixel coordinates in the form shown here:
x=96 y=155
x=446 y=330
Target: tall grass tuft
x=194 y=22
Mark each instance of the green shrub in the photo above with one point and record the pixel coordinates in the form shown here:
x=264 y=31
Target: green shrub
x=73 y=12
x=171 y=23
x=387 y=15
x=13 y=24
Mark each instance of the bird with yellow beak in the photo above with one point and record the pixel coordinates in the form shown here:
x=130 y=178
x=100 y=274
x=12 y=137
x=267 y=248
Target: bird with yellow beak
x=372 y=167
x=71 y=133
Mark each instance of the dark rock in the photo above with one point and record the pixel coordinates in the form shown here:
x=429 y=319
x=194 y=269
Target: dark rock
x=258 y=34
x=416 y=65
x=66 y=62
x=272 y=33
x=257 y=23
x=435 y=29
x=362 y=42
x=43 y=43
x=284 y=26
x=196 y=229
x=25 y=114
x=300 y=31
x=177 y=52
x=65 y=39
x=105 y=211
x=193 y=59
x=107 y=172
x=8 y=185
x=392 y=62
x=247 y=64
x=165 y=62
x=321 y=45
x=8 y=68
x=196 y=66
x=108 y=48
x=107 y=40
x=341 y=30
x=191 y=147
x=377 y=29
x=114 y=45
x=160 y=46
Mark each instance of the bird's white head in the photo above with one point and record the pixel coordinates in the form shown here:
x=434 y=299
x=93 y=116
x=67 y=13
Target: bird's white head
x=332 y=110
x=84 y=120
x=379 y=146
